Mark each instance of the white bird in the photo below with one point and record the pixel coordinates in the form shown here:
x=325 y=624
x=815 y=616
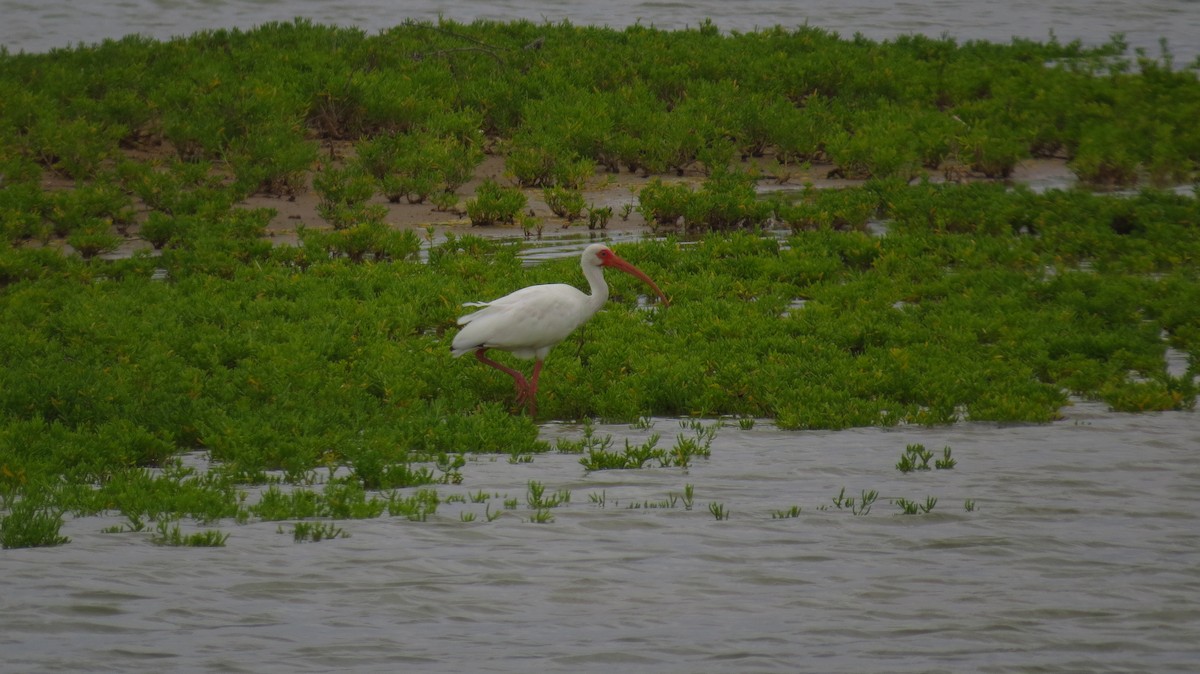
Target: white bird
x=531 y=321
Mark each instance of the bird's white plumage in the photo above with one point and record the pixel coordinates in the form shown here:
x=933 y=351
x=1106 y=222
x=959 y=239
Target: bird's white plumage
x=526 y=323
x=529 y=322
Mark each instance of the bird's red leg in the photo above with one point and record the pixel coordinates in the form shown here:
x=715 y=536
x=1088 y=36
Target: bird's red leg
x=522 y=385
x=533 y=383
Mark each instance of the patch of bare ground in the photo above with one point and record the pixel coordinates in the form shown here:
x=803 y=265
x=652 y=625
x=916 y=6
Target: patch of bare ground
x=617 y=190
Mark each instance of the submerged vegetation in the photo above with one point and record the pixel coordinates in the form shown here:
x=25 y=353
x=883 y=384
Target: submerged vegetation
x=896 y=301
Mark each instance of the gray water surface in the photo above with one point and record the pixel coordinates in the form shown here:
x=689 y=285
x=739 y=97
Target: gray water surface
x=1082 y=555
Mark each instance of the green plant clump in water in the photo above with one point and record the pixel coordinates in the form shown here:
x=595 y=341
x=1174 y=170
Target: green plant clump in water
x=29 y=525
x=316 y=532
x=169 y=534
x=979 y=301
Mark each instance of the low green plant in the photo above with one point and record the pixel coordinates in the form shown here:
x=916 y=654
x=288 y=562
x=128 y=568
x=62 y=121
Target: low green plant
x=365 y=241
x=416 y=507
x=643 y=423
x=946 y=462
x=542 y=516
x=415 y=167
x=794 y=511
x=663 y=203
x=670 y=501
x=537 y=498
x=598 y=217
x=494 y=204
x=344 y=192
x=565 y=203
x=915 y=457
x=718 y=510
x=316 y=532
x=634 y=456
x=586 y=443
x=909 y=507
x=93 y=239
x=685 y=448
x=860 y=506
x=168 y=533
x=30 y=524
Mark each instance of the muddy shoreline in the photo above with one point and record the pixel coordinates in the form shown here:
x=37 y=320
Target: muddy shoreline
x=616 y=190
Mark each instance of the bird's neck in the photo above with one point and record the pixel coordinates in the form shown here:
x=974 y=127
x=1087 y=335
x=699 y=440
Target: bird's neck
x=599 y=287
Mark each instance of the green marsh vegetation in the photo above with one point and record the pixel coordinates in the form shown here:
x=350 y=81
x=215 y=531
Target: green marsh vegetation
x=280 y=363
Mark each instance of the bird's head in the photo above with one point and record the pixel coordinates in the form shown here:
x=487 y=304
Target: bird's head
x=600 y=255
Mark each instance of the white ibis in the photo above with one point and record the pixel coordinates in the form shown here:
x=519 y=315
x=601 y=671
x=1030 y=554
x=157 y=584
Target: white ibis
x=529 y=322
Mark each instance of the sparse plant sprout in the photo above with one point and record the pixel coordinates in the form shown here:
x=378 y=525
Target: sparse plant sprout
x=491 y=516
x=466 y=516
x=537 y=499
x=416 y=507
x=598 y=498
x=633 y=457
x=450 y=466
x=969 y=505
x=946 y=462
x=588 y=442
x=718 y=510
x=670 y=502
x=865 y=501
x=598 y=217
x=794 y=511
x=689 y=496
x=136 y=523
x=316 y=532
x=907 y=506
x=860 y=506
x=745 y=423
x=915 y=457
x=169 y=534
x=643 y=423
x=542 y=516
x=910 y=507
x=840 y=499
x=530 y=223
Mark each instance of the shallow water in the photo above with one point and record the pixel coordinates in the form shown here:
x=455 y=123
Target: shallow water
x=39 y=26
x=1081 y=555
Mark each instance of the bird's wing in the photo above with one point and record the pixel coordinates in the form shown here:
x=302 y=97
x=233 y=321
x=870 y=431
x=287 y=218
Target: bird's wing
x=522 y=322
